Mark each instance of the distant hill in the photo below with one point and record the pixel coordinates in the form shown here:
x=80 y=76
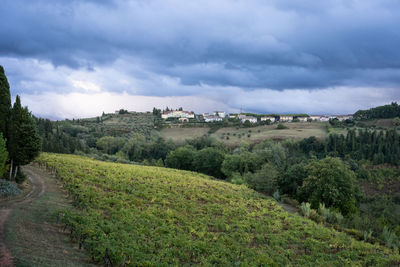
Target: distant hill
x=381 y=112
x=151 y=216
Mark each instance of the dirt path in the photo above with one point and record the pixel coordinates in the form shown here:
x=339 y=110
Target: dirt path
x=37 y=189
x=29 y=232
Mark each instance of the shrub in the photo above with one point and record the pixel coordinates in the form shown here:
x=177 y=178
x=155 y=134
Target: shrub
x=367 y=235
x=8 y=189
x=20 y=177
x=390 y=238
x=277 y=196
x=281 y=126
x=306 y=209
x=331 y=182
x=264 y=180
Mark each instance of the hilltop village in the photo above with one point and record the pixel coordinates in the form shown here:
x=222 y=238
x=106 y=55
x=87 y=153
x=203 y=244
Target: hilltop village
x=183 y=116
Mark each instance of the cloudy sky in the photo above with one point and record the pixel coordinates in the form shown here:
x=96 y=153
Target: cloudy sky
x=78 y=58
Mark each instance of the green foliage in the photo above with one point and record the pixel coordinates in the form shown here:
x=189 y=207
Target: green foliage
x=3 y=155
x=305 y=209
x=181 y=158
x=20 y=177
x=277 y=196
x=381 y=112
x=24 y=140
x=209 y=161
x=281 y=126
x=240 y=163
x=396 y=121
x=291 y=179
x=330 y=182
x=148 y=216
x=5 y=102
x=264 y=180
x=8 y=189
x=110 y=144
x=390 y=238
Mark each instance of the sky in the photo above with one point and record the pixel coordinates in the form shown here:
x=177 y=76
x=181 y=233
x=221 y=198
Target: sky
x=78 y=58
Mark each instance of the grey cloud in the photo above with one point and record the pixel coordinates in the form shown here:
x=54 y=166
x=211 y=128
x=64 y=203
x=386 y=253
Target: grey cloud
x=250 y=44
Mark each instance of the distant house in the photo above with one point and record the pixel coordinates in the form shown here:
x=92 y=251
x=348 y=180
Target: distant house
x=302 y=119
x=286 y=118
x=319 y=118
x=315 y=117
x=271 y=118
x=232 y=116
x=212 y=118
x=324 y=118
x=251 y=119
x=344 y=117
x=177 y=114
x=183 y=120
x=220 y=114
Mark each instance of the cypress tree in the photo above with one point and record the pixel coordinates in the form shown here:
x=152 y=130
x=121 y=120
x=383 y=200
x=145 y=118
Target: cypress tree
x=5 y=102
x=24 y=140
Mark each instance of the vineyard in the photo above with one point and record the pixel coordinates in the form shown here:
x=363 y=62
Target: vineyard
x=150 y=216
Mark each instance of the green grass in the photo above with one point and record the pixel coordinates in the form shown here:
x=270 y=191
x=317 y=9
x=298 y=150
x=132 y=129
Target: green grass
x=150 y=216
x=295 y=130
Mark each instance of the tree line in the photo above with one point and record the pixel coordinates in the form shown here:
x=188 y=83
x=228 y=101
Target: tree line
x=382 y=112
x=19 y=139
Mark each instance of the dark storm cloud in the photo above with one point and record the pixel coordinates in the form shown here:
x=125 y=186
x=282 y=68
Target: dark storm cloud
x=249 y=44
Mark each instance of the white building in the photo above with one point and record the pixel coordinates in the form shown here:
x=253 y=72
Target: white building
x=286 y=118
x=251 y=119
x=221 y=114
x=177 y=114
x=302 y=119
x=212 y=118
x=344 y=117
x=271 y=118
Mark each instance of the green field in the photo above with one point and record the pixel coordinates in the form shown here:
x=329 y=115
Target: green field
x=234 y=136
x=150 y=216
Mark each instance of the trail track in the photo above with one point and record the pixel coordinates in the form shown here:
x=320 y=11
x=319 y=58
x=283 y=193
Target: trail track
x=29 y=233
x=38 y=188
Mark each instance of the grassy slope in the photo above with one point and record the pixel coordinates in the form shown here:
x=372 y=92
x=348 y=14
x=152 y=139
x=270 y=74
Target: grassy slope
x=296 y=130
x=149 y=215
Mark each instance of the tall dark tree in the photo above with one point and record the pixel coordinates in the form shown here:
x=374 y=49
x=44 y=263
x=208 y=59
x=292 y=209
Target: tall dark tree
x=3 y=155
x=5 y=102
x=24 y=140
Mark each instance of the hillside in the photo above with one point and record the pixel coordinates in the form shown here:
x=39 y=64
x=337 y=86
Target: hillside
x=233 y=136
x=149 y=216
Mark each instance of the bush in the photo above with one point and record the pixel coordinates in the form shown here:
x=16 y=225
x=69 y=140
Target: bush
x=306 y=209
x=281 y=126
x=264 y=180
x=8 y=189
x=390 y=238
x=331 y=182
x=20 y=177
x=277 y=196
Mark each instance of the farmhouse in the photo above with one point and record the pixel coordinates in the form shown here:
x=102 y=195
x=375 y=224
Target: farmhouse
x=220 y=114
x=251 y=119
x=286 y=118
x=302 y=119
x=319 y=118
x=271 y=118
x=344 y=117
x=177 y=114
x=212 y=118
